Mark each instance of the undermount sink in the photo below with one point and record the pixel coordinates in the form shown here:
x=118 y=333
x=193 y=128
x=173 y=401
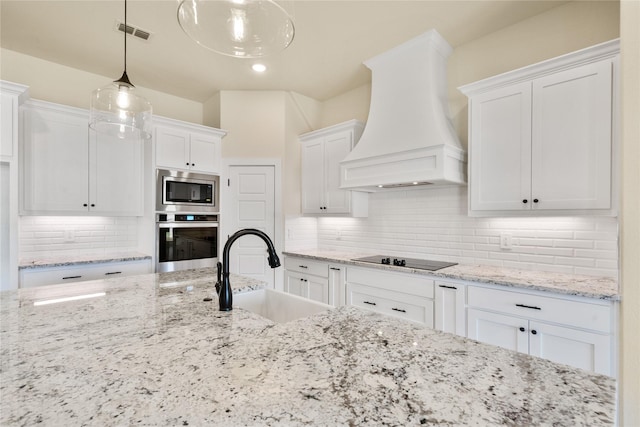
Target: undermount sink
x=280 y=307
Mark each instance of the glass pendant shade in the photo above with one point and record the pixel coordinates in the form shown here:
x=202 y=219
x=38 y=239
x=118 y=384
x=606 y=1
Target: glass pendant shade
x=117 y=110
x=238 y=28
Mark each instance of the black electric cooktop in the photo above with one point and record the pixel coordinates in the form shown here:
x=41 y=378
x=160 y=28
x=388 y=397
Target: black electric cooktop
x=418 y=264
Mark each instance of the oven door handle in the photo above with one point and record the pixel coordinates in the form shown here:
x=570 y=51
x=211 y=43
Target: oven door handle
x=203 y=224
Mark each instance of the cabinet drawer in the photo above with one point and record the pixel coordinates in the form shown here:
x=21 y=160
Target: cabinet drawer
x=306 y=266
x=579 y=314
x=56 y=275
x=408 y=307
x=413 y=284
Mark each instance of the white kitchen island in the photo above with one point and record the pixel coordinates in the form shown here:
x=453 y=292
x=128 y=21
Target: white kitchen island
x=151 y=351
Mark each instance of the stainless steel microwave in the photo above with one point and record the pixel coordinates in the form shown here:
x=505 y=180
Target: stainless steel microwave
x=178 y=191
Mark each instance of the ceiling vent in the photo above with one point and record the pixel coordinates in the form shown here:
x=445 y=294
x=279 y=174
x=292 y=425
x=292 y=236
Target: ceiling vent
x=134 y=31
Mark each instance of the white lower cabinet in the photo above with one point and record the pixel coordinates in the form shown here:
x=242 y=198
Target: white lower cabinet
x=568 y=331
x=307 y=278
x=33 y=277
x=337 y=283
x=406 y=296
x=450 y=307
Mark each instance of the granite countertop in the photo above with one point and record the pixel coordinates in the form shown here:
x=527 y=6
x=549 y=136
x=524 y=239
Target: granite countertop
x=151 y=351
x=79 y=259
x=604 y=288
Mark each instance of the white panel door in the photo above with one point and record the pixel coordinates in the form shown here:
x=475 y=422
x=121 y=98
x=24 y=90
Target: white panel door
x=116 y=182
x=500 y=149
x=450 y=308
x=497 y=329
x=55 y=161
x=172 y=148
x=571 y=157
x=336 y=148
x=204 y=156
x=313 y=176
x=252 y=190
x=585 y=350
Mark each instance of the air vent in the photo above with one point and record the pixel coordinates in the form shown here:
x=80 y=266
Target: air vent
x=134 y=31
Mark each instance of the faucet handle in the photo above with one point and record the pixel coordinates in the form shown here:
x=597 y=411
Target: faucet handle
x=219 y=281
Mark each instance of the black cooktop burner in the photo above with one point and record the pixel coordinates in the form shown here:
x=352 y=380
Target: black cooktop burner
x=418 y=264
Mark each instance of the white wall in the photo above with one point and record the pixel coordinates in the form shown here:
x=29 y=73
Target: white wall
x=630 y=215
x=57 y=83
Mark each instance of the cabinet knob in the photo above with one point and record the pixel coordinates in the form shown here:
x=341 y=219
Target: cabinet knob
x=521 y=329
x=93 y=205
x=187 y=163
x=85 y=205
x=535 y=200
x=525 y=201
x=534 y=332
x=193 y=164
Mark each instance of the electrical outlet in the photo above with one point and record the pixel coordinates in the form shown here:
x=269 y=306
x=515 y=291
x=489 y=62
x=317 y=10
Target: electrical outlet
x=69 y=236
x=506 y=241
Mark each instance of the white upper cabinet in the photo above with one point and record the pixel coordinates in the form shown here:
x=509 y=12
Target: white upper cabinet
x=542 y=138
x=68 y=170
x=184 y=146
x=322 y=151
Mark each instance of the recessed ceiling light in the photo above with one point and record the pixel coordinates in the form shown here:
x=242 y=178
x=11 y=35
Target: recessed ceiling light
x=259 y=68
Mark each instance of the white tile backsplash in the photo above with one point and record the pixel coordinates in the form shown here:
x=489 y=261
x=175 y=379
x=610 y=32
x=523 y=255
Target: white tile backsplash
x=44 y=235
x=433 y=223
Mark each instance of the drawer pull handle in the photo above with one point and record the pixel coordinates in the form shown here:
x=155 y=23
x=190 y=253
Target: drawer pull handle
x=71 y=277
x=333 y=268
x=521 y=329
x=303 y=266
x=399 y=309
x=528 y=306
x=112 y=272
x=534 y=332
x=448 y=287
x=370 y=303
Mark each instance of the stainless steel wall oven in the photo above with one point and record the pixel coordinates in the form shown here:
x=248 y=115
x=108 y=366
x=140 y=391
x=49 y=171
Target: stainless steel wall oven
x=185 y=241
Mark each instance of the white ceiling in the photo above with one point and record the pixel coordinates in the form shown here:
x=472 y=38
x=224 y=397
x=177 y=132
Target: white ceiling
x=332 y=40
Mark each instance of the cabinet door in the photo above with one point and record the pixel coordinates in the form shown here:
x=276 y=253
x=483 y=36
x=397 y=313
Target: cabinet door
x=497 y=329
x=500 y=149
x=313 y=177
x=204 y=154
x=336 y=148
x=172 y=148
x=294 y=283
x=571 y=156
x=317 y=289
x=337 y=279
x=116 y=183
x=450 y=308
x=55 y=160
x=585 y=350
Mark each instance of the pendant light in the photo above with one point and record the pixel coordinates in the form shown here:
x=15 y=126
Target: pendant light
x=117 y=110
x=238 y=28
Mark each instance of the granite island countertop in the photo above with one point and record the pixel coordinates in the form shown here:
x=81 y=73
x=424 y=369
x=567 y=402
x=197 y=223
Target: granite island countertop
x=151 y=351
x=604 y=288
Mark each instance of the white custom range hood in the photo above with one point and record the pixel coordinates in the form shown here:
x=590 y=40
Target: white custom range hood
x=408 y=139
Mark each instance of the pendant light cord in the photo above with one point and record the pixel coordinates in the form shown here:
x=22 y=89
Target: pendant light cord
x=125 y=35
